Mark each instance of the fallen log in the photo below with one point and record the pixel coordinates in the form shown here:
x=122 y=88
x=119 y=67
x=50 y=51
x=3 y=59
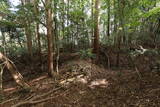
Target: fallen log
x=14 y=72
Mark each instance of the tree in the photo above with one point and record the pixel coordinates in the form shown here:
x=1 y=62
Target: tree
x=108 y=26
x=49 y=22
x=96 y=28
x=36 y=9
x=27 y=24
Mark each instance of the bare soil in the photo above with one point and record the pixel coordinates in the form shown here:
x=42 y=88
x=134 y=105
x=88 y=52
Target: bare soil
x=81 y=83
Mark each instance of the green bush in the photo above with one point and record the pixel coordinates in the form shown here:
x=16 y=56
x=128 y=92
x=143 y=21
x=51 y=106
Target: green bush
x=87 y=54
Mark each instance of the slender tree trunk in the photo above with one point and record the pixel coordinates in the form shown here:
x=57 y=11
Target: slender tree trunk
x=108 y=25
x=92 y=17
x=121 y=37
x=37 y=30
x=39 y=42
x=18 y=39
x=121 y=6
x=29 y=40
x=1 y=82
x=68 y=34
x=28 y=33
x=63 y=22
x=96 y=29
x=56 y=36
x=4 y=42
x=77 y=34
x=115 y=22
x=49 y=20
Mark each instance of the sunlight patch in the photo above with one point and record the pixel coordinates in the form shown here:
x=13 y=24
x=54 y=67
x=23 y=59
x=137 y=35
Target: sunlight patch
x=82 y=80
x=1 y=56
x=15 y=76
x=17 y=81
x=103 y=83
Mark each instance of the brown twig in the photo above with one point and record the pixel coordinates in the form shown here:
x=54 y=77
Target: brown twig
x=31 y=101
x=39 y=96
x=8 y=100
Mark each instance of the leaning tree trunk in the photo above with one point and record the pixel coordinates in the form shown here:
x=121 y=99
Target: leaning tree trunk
x=14 y=72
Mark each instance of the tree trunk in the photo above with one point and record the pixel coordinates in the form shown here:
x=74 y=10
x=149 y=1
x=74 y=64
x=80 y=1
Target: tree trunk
x=63 y=24
x=49 y=20
x=92 y=17
x=1 y=82
x=4 y=42
x=29 y=40
x=37 y=30
x=121 y=34
x=115 y=22
x=108 y=26
x=28 y=33
x=68 y=31
x=121 y=6
x=96 y=29
x=56 y=33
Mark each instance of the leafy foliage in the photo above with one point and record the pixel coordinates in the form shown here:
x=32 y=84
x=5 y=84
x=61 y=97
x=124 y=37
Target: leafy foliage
x=86 y=54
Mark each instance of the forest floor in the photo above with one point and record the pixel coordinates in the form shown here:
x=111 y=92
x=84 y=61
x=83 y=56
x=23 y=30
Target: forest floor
x=81 y=83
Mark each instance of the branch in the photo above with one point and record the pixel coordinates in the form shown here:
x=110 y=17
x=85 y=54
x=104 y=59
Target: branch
x=31 y=101
x=9 y=100
x=42 y=23
x=39 y=96
x=43 y=3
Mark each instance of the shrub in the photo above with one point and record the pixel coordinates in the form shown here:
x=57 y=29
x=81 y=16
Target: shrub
x=86 y=54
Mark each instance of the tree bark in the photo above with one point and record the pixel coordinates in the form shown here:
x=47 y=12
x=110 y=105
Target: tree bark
x=56 y=33
x=49 y=20
x=115 y=22
x=121 y=6
x=29 y=40
x=37 y=30
x=92 y=17
x=96 y=28
x=121 y=36
x=108 y=26
x=28 y=33
x=4 y=42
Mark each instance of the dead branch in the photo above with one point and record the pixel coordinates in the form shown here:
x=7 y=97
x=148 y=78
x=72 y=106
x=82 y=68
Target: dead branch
x=14 y=72
x=8 y=100
x=69 y=80
x=31 y=101
x=154 y=90
x=138 y=72
x=45 y=94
